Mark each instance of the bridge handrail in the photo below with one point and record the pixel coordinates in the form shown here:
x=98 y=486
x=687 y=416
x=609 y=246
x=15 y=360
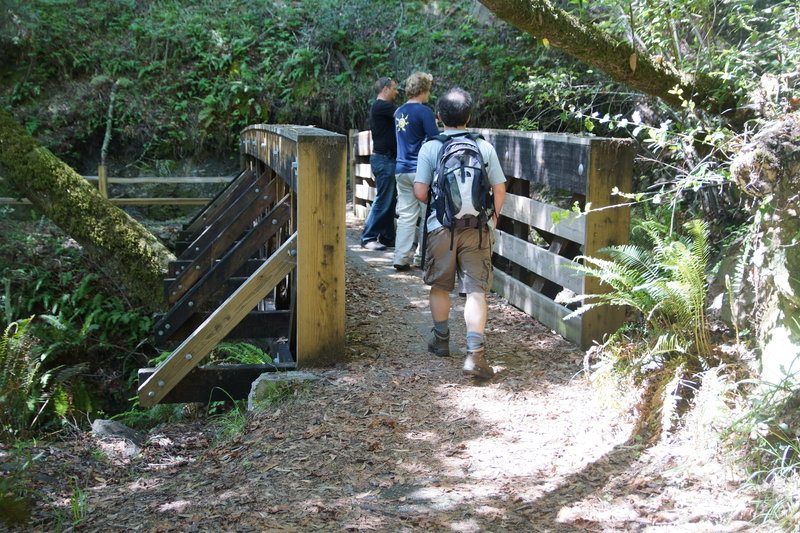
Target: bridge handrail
x=527 y=274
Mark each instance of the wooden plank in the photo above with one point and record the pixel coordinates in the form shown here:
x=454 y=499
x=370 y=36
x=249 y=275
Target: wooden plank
x=230 y=285
x=188 y=180
x=215 y=383
x=540 y=307
x=226 y=229
x=556 y=160
x=321 y=245
x=540 y=215
x=127 y=201
x=538 y=260
x=195 y=348
x=364 y=170
x=365 y=192
x=351 y=158
x=611 y=166
x=362 y=144
x=191 y=299
x=175 y=267
x=234 y=189
x=212 y=242
x=256 y=325
x=563 y=248
x=360 y=211
x=159 y=201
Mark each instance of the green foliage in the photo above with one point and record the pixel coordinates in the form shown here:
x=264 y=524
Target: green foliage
x=30 y=393
x=197 y=72
x=68 y=357
x=19 y=384
x=664 y=284
x=224 y=353
x=240 y=353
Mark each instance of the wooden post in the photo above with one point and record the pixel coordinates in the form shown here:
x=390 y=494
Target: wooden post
x=610 y=165
x=102 y=183
x=321 y=200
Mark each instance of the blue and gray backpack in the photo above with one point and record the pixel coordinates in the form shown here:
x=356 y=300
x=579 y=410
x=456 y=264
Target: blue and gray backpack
x=461 y=194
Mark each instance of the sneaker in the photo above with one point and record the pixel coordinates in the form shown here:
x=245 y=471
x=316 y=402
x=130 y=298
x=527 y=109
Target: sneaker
x=373 y=245
x=439 y=346
x=475 y=364
x=402 y=268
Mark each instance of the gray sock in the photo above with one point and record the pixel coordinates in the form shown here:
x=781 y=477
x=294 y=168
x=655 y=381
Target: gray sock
x=475 y=340
x=442 y=328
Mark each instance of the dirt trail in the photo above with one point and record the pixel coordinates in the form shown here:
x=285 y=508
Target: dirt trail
x=398 y=440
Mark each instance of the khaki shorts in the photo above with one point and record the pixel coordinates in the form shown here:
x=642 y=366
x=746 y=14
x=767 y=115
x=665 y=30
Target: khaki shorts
x=472 y=264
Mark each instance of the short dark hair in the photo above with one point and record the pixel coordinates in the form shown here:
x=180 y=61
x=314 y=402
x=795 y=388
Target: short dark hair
x=382 y=83
x=455 y=107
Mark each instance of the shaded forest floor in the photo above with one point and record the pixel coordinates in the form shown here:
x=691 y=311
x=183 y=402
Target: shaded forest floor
x=398 y=440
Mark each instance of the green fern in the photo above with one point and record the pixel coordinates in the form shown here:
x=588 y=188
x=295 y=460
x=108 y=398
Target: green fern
x=28 y=391
x=664 y=283
x=18 y=379
x=240 y=353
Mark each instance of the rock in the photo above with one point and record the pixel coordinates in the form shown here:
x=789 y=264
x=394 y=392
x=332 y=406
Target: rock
x=271 y=383
x=111 y=428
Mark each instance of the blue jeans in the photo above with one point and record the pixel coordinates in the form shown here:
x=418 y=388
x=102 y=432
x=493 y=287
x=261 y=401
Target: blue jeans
x=380 y=222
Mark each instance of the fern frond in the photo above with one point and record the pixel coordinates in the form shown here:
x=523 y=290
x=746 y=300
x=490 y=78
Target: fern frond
x=668 y=343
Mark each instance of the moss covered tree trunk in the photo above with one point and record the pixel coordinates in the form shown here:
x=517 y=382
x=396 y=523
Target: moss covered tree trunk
x=618 y=59
x=112 y=238
x=769 y=300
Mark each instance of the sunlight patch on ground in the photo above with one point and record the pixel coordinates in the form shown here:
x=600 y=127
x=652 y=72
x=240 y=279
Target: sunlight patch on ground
x=465 y=526
x=530 y=435
x=423 y=436
x=176 y=506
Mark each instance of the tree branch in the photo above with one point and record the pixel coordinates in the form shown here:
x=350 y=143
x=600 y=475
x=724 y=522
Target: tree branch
x=596 y=48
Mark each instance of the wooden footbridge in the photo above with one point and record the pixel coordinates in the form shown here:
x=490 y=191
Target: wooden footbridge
x=265 y=259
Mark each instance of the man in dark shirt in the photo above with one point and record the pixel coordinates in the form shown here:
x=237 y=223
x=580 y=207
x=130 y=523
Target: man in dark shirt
x=379 y=229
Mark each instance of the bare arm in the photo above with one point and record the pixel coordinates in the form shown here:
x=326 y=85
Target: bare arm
x=499 y=192
x=421 y=191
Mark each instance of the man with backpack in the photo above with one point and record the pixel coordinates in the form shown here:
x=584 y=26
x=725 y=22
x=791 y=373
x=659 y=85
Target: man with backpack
x=460 y=178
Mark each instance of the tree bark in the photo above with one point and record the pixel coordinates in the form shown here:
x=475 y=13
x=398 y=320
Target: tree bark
x=619 y=59
x=769 y=168
x=113 y=239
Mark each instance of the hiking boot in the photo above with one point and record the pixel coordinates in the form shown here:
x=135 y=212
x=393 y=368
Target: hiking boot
x=373 y=245
x=475 y=364
x=402 y=268
x=439 y=346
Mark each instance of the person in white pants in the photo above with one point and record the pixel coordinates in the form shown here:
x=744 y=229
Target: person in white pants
x=414 y=124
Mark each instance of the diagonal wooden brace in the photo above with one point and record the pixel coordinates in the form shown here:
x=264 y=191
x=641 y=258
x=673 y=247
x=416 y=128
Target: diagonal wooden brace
x=211 y=332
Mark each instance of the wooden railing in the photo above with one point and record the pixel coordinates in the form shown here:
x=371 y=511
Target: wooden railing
x=264 y=259
x=103 y=183
x=533 y=275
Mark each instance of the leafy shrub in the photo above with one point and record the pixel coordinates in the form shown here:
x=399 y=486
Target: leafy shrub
x=29 y=392
x=279 y=63
x=664 y=285
x=81 y=337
